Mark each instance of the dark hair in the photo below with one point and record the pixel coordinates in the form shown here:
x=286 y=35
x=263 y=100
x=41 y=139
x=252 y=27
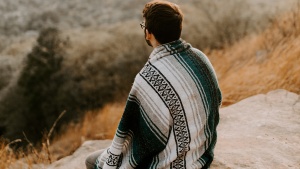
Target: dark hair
x=164 y=20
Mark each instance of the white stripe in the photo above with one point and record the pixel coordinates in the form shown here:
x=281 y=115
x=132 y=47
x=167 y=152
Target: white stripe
x=153 y=129
x=198 y=110
x=203 y=96
x=195 y=106
x=158 y=111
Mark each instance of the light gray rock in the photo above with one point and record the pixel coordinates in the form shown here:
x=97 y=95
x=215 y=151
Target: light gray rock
x=77 y=159
x=262 y=131
x=74 y=161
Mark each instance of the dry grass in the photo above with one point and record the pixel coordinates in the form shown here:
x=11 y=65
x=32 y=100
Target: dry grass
x=22 y=158
x=7 y=157
x=262 y=62
x=100 y=124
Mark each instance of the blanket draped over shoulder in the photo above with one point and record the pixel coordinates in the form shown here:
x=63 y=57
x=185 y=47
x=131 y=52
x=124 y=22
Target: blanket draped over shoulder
x=171 y=113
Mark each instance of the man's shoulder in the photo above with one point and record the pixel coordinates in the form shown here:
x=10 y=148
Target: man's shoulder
x=197 y=52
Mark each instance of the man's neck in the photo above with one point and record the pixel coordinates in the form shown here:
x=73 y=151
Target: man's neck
x=155 y=43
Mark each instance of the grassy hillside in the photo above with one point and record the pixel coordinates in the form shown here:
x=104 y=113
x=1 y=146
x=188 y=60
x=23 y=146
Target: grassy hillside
x=260 y=63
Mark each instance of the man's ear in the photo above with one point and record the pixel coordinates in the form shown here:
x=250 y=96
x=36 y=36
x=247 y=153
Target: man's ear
x=148 y=35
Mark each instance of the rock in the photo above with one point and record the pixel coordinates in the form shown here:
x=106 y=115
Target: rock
x=77 y=159
x=262 y=131
x=74 y=161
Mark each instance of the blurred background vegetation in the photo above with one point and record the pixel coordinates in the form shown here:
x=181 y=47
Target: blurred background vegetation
x=81 y=56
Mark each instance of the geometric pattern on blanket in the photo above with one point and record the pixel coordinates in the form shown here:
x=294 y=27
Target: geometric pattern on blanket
x=170 y=97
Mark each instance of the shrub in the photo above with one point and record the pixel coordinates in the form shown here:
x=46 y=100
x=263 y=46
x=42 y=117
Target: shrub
x=63 y=75
x=27 y=105
x=5 y=73
x=102 y=64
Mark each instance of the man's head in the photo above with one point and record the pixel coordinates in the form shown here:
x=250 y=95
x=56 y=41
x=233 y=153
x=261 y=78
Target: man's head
x=163 y=19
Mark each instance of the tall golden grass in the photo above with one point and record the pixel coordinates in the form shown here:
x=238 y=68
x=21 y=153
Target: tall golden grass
x=261 y=63
x=99 y=124
x=255 y=64
x=7 y=157
x=22 y=158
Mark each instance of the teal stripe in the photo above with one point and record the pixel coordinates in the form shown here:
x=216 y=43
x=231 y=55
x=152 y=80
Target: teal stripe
x=149 y=122
x=121 y=134
x=144 y=142
x=132 y=161
x=201 y=68
x=186 y=64
x=154 y=162
x=197 y=75
x=152 y=126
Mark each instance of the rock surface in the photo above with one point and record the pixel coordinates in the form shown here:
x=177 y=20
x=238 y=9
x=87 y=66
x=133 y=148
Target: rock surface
x=262 y=131
x=77 y=159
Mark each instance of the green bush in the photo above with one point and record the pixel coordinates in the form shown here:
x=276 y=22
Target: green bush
x=60 y=74
x=28 y=105
x=5 y=74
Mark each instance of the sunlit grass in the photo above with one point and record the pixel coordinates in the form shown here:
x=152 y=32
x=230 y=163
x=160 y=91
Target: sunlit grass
x=261 y=63
x=99 y=124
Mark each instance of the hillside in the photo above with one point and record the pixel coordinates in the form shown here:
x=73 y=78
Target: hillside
x=260 y=63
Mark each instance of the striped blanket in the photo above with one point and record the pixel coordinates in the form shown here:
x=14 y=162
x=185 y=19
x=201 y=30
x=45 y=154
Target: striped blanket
x=171 y=114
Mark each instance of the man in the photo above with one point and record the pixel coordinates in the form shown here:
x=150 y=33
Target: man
x=172 y=110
